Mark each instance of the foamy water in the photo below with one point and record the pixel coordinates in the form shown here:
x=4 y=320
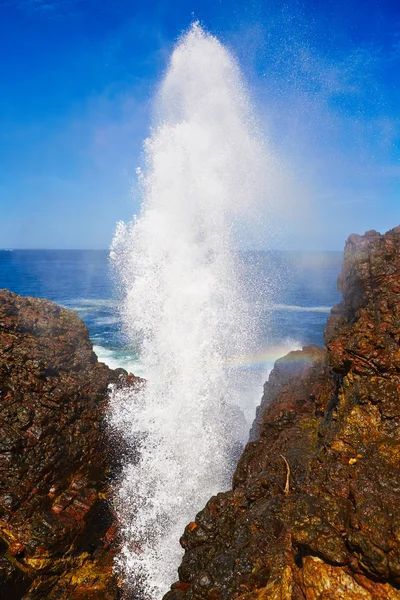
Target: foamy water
x=295 y=308
x=206 y=169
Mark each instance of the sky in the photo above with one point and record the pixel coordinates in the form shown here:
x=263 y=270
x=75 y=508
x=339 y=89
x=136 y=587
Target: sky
x=78 y=79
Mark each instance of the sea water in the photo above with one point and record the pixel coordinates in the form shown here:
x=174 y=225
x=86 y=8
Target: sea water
x=209 y=177
x=84 y=281
x=200 y=318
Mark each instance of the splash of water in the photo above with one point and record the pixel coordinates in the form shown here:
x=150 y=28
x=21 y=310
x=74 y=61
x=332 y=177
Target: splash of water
x=205 y=168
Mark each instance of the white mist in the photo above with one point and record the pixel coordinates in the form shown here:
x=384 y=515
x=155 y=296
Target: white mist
x=205 y=170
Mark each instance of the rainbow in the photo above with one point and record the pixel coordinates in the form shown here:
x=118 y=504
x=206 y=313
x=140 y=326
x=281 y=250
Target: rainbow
x=267 y=356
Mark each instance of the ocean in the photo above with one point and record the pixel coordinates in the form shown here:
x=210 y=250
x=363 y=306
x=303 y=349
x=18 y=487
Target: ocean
x=291 y=292
x=195 y=414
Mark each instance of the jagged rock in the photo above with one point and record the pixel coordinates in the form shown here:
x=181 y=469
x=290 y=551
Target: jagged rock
x=313 y=513
x=58 y=535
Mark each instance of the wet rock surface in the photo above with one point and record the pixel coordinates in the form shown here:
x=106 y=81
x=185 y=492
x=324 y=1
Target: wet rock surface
x=58 y=535
x=313 y=513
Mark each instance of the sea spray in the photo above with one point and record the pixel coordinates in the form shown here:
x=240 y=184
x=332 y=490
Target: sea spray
x=205 y=170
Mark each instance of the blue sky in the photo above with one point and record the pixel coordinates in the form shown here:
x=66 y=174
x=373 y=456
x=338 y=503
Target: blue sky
x=78 y=78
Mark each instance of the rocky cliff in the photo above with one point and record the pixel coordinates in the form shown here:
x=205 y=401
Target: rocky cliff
x=57 y=531
x=313 y=513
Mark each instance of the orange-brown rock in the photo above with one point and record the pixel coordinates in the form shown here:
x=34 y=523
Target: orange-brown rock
x=57 y=531
x=314 y=511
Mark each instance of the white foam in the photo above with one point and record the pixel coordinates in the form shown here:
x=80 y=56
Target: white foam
x=294 y=308
x=205 y=168
x=116 y=360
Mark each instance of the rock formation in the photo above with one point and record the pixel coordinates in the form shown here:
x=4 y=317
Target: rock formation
x=314 y=511
x=57 y=531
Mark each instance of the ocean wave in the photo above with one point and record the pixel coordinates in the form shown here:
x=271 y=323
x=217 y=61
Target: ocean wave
x=90 y=306
x=102 y=302
x=99 y=321
x=295 y=308
x=118 y=359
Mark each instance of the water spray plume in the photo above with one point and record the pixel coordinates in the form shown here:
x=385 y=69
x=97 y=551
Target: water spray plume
x=206 y=168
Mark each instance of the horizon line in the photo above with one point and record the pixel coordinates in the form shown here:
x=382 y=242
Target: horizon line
x=108 y=250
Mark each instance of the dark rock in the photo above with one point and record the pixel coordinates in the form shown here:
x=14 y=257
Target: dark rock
x=313 y=513
x=58 y=535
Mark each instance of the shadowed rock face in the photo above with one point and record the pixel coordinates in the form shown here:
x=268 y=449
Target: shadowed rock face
x=57 y=531
x=314 y=511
